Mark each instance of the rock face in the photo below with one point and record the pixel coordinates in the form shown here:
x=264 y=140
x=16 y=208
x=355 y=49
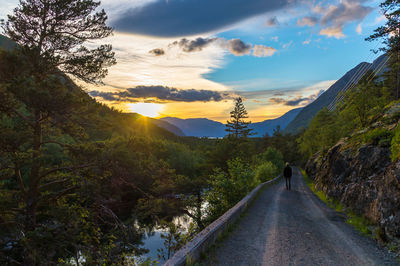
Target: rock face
x=363 y=179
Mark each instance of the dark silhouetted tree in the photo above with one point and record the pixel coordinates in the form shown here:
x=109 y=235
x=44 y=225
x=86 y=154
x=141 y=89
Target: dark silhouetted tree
x=237 y=127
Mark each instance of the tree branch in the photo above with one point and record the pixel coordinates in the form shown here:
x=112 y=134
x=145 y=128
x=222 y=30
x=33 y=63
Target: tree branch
x=59 y=194
x=53 y=182
x=20 y=181
x=25 y=118
x=71 y=168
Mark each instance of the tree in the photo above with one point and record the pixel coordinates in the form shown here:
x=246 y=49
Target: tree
x=41 y=108
x=390 y=33
x=321 y=134
x=236 y=126
x=51 y=35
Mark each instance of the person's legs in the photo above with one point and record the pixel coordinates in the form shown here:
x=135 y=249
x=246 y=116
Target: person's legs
x=287 y=186
x=289 y=183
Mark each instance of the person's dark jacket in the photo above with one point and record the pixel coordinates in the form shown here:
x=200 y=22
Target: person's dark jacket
x=287 y=172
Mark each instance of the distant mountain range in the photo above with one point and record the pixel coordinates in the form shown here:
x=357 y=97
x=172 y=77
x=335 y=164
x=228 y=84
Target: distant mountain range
x=6 y=43
x=203 y=127
x=197 y=127
x=348 y=80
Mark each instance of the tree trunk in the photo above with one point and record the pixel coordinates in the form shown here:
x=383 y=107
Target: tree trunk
x=32 y=192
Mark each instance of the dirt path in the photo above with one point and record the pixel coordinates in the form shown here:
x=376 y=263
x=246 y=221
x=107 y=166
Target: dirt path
x=295 y=228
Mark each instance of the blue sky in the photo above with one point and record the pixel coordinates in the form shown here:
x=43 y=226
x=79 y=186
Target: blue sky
x=191 y=58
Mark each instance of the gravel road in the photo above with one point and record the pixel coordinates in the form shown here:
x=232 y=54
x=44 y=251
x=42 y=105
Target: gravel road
x=295 y=228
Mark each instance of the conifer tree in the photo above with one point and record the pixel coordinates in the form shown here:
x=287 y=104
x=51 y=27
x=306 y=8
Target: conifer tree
x=237 y=127
x=39 y=109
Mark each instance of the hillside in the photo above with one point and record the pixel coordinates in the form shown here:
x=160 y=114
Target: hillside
x=203 y=127
x=268 y=126
x=197 y=127
x=6 y=43
x=129 y=123
x=362 y=172
x=351 y=77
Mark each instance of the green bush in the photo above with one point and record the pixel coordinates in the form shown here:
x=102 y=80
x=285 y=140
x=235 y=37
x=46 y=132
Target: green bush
x=395 y=144
x=379 y=136
x=226 y=189
x=270 y=155
x=266 y=171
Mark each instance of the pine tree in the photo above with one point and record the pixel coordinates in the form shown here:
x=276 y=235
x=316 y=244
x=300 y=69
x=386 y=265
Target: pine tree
x=236 y=126
x=390 y=33
x=39 y=108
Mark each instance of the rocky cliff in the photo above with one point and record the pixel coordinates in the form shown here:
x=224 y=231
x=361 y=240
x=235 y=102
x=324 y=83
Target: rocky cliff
x=359 y=173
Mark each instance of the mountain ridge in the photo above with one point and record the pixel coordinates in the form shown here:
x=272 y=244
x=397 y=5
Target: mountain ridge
x=204 y=127
x=350 y=78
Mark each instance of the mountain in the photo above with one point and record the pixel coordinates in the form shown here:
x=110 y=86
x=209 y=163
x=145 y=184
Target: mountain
x=349 y=79
x=203 y=127
x=168 y=126
x=268 y=126
x=6 y=42
x=197 y=127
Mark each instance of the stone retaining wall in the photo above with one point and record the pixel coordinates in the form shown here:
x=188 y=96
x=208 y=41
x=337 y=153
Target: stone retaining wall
x=199 y=244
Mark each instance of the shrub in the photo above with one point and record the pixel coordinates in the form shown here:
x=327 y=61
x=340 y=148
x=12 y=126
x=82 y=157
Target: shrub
x=266 y=171
x=395 y=144
x=229 y=188
x=380 y=136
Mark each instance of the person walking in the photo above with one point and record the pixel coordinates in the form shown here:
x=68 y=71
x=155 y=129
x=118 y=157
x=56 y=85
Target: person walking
x=287 y=173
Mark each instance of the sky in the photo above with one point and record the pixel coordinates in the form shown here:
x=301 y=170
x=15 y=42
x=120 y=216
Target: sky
x=192 y=58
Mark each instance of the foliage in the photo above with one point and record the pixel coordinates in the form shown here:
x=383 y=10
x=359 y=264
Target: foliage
x=395 y=144
x=174 y=238
x=377 y=136
x=359 y=108
x=390 y=34
x=320 y=135
x=236 y=126
x=227 y=188
x=271 y=155
x=265 y=171
x=51 y=35
x=286 y=144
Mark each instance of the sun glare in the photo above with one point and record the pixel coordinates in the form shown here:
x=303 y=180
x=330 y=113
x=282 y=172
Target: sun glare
x=146 y=109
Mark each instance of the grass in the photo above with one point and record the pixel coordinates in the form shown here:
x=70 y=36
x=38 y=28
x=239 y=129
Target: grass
x=361 y=224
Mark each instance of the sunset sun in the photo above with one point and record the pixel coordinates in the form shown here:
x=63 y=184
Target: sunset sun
x=147 y=109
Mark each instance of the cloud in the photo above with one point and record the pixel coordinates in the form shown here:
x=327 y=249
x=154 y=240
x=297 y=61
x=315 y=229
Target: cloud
x=162 y=94
x=238 y=47
x=263 y=51
x=176 y=18
x=275 y=38
x=108 y=96
x=307 y=21
x=299 y=100
x=287 y=45
x=359 y=29
x=335 y=17
x=157 y=51
x=235 y=46
x=272 y=22
x=194 y=45
x=336 y=32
